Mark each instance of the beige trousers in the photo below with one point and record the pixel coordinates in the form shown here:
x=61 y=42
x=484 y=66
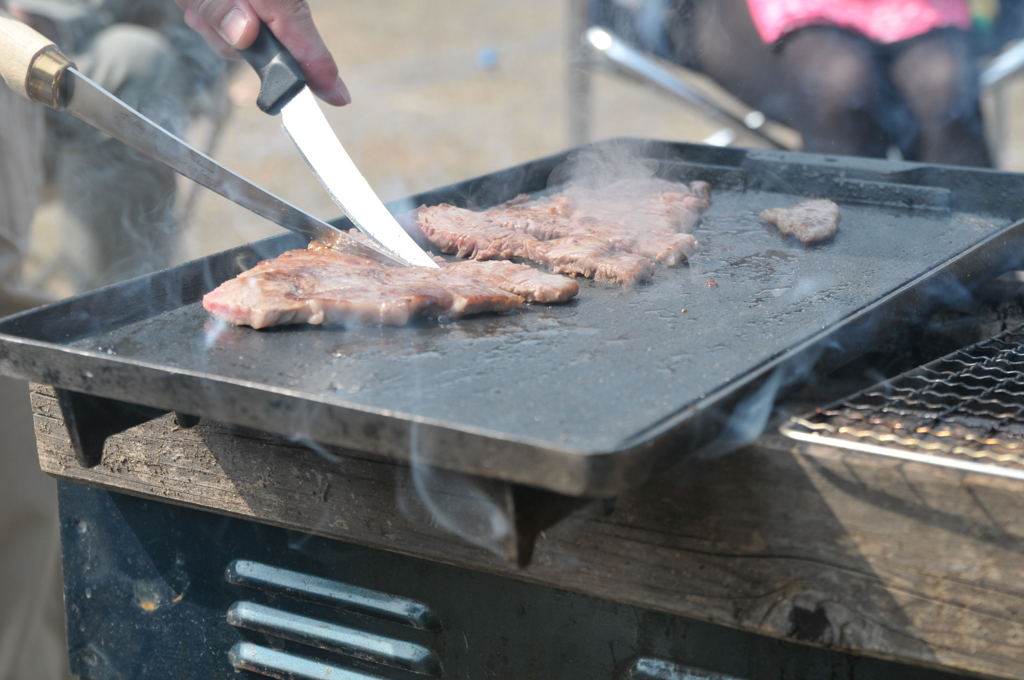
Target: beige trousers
x=116 y=205
x=21 y=183
x=32 y=643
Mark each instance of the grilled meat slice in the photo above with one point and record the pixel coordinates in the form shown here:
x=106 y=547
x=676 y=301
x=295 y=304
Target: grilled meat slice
x=519 y=279
x=477 y=235
x=592 y=258
x=622 y=225
x=611 y=234
x=470 y=234
x=809 y=221
x=323 y=286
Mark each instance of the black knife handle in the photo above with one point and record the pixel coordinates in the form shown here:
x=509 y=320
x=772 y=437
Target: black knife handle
x=280 y=75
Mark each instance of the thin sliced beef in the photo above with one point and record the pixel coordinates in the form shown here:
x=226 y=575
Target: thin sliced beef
x=592 y=258
x=470 y=234
x=518 y=279
x=614 y=234
x=476 y=235
x=622 y=225
x=323 y=286
x=809 y=221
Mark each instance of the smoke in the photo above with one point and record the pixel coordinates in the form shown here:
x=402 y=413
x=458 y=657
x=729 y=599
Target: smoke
x=751 y=416
x=461 y=504
x=480 y=511
x=748 y=420
x=116 y=205
x=318 y=449
x=618 y=163
x=117 y=208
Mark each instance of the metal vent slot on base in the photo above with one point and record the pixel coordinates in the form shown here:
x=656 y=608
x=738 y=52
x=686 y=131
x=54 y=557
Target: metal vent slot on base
x=246 y=656
x=650 y=668
x=316 y=635
x=307 y=588
x=964 y=411
x=330 y=637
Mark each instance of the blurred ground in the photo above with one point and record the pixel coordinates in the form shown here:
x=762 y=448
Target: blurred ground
x=428 y=110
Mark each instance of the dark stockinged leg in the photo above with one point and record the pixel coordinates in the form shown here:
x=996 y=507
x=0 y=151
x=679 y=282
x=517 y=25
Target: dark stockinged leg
x=937 y=77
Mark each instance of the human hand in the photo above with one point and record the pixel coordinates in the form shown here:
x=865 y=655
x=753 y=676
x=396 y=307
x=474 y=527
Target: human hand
x=230 y=25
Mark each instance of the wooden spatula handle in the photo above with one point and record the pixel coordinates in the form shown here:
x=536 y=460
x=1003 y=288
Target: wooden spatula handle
x=30 y=63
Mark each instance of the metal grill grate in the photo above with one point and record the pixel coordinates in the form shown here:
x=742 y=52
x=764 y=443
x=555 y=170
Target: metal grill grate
x=965 y=411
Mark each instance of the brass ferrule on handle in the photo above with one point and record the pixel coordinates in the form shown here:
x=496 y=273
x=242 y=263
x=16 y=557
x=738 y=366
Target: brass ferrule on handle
x=45 y=82
x=31 y=64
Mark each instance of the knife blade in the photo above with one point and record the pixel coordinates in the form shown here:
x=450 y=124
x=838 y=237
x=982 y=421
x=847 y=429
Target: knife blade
x=285 y=90
x=34 y=68
x=91 y=103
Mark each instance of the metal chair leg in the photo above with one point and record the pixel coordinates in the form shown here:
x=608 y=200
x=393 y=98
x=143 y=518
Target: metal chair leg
x=578 y=76
x=635 y=63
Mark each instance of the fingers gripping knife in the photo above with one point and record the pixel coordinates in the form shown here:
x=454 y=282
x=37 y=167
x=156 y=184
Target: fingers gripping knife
x=285 y=91
x=34 y=68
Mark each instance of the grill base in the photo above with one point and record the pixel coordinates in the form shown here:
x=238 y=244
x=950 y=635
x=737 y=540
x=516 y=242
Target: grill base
x=149 y=588
x=808 y=544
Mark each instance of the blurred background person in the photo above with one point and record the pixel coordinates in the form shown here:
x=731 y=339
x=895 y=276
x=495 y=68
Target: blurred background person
x=857 y=77
x=31 y=606
x=117 y=207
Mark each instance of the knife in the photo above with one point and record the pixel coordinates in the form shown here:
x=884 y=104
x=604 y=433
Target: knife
x=284 y=90
x=34 y=68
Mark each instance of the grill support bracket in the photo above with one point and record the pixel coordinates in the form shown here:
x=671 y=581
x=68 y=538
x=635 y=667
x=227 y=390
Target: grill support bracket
x=526 y=511
x=91 y=420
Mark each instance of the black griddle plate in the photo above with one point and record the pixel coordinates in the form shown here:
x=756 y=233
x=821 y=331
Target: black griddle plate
x=587 y=398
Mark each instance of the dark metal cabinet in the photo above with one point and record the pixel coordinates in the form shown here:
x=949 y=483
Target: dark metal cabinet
x=154 y=590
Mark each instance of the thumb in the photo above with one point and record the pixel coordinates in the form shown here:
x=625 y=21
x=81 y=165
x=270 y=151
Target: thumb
x=234 y=21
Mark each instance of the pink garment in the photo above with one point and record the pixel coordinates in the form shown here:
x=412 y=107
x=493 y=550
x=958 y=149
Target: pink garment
x=884 y=21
